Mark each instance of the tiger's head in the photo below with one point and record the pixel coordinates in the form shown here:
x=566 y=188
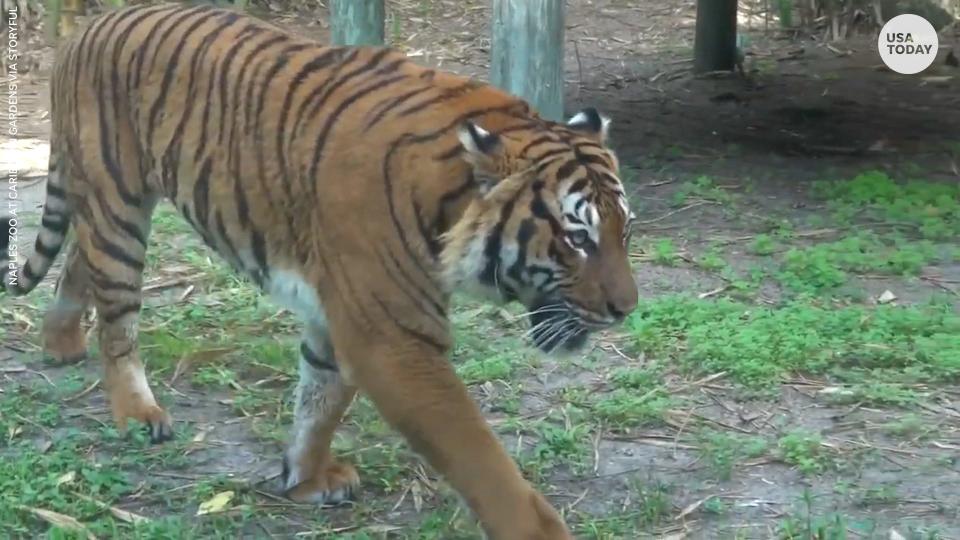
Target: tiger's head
x=549 y=229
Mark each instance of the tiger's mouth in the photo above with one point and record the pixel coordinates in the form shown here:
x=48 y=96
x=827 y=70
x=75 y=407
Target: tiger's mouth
x=554 y=326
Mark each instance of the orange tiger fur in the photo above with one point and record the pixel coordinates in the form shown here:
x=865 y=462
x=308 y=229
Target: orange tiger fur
x=357 y=188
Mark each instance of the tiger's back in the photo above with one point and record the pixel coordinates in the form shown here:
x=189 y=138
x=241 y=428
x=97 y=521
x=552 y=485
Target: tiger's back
x=247 y=129
x=357 y=188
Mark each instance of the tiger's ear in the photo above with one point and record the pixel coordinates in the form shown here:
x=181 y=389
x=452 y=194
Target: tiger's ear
x=590 y=122
x=480 y=144
x=481 y=150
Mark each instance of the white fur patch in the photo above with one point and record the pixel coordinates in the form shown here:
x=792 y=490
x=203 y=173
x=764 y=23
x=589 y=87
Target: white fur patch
x=290 y=291
x=586 y=213
x=582 y=119
x=468 y=141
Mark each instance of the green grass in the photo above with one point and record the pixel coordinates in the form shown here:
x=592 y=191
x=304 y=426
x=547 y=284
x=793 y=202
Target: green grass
x=827 y=265
x=932 y=208
x=758 y=345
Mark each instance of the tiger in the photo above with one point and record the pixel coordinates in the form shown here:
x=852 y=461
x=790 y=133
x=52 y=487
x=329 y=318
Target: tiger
x=354 y=187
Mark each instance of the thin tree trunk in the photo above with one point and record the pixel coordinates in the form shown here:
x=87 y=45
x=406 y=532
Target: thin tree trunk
x=527 y=52
x=357 y=22
x=715 y=45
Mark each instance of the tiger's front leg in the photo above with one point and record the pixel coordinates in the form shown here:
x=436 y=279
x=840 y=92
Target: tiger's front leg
x=310 y=474
x=416 y=390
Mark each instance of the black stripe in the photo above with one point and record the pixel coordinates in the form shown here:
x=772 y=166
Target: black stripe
x=539 y=209
x=260 y=254
x=270 y=77
x=314 y=65
x=224 y=64
x=433 y=244
x=50 y=252
x=494 y=243
x=524 y=234
x=319 y=90
x=119 y=310
x=55 y=191
x=255 y=121
x=440 y=224
x=226 y=241
x=243 y=210
x=412 y=332
x=105 y=284
x=248 y=61
x=57 y=223
x=579 y=185
x=130 y=229
x=27 y=272
x=336 y=82
x=201 y=194
x=312 y=358
x=147 y=44
x=171 y=69
x=104 y=22
x=206 y=113
x=113 y=168
x=122 y=41
x=100 y=277
x=580 y=146
x=452 y=93
x=592 y=159
x=567 y=169
x=544 y=165
x=199 y=53
x=439 y=313
x=335 y=114
x=174 y=29
x=453 y=152
x=115 y=252
x=169 y=162
x=535 y=142
x=385 y=108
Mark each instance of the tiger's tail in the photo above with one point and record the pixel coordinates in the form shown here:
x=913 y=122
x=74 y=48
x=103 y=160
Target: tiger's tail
x=18 y=280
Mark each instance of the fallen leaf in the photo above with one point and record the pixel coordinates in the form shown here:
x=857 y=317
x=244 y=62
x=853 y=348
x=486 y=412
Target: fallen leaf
x=66 y=478
x=59 y=520
x=691 y=508
x=217 y=503
x=417 y=493
x=119 y=513
x=886 y=297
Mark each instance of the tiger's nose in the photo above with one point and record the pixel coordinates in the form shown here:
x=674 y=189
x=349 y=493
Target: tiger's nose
x=620 y=310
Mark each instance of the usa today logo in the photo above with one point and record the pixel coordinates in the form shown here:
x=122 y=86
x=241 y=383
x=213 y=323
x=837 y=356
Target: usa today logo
x=908 y=44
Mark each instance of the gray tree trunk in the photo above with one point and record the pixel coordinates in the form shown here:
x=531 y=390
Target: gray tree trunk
x=357 y=22
x=527 y=52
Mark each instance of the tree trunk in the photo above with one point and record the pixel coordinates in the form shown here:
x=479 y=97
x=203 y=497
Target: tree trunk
x=715 y=45
x=357 y=22
x=527 y=52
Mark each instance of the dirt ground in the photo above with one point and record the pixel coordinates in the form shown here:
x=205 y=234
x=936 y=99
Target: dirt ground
x=803 y=112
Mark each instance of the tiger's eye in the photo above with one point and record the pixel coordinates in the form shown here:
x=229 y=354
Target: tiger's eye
x=579 y=238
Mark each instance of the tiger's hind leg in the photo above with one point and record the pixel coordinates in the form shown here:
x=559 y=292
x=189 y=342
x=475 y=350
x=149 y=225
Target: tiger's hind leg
x=310 y=474
x=115 y=259
x=64 y=339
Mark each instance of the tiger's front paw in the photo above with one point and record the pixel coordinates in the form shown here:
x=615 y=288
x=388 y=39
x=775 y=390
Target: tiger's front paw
x=332 y=484
x=158 y=422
